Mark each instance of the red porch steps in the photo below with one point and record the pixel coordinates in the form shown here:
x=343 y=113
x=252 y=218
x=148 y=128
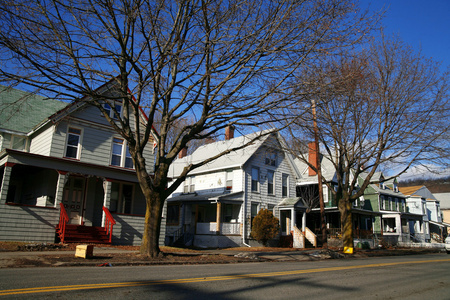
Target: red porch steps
x=86 y=234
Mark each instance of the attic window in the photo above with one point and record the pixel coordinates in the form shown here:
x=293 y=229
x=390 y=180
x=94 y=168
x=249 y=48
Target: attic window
x=271 y=157
x=110 y=112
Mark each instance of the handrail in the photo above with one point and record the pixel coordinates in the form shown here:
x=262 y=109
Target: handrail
x=109 y=223
x=311 y=237
x=63 y=220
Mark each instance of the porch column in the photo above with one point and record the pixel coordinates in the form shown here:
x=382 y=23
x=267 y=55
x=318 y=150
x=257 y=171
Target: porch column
x=107 y=198
x=294 y=220
x=62 y=179
x=304 y=222
x=219 y=210
x=5 y=182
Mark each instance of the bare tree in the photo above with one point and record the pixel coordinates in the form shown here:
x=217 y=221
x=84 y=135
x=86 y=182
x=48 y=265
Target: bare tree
x=213 y=62
x=385 y=106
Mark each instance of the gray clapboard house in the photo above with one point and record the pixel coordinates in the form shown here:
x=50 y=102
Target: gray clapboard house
x=218 y=201
x=58 y=158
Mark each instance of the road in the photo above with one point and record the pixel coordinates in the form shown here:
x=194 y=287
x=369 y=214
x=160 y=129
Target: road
x=395 y=277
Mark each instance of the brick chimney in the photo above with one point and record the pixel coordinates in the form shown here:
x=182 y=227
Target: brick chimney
x=312 y=158
x=229 y=132
x=182 y=153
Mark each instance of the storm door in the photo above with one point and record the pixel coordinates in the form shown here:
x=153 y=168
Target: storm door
x=73 y=199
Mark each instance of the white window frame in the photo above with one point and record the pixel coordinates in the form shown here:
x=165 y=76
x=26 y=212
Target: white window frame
x=110 y=111
x=256 y=180
x=124 y=156
x=229 y=180
x=272 y=193
x=283 y=176
x=189 y=185
x=78 y=146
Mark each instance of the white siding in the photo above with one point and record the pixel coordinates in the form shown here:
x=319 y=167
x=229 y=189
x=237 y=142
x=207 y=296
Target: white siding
x=41 y=143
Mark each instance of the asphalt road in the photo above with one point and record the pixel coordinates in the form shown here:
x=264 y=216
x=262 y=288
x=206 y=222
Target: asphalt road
x=395 y=277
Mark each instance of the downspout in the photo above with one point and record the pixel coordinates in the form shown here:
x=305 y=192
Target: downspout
x=245 y=209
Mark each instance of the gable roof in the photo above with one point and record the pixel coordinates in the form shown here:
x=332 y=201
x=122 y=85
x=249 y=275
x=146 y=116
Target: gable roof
x=410 y=190
x=326 y=165
x=234 y=159
x=21 y=111
x=418 y=190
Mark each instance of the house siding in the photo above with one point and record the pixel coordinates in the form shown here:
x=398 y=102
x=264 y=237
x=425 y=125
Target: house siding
x=28 y=224
x=39 y=144
x=262 y=198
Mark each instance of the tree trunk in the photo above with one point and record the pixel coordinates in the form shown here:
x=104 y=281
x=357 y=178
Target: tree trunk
x=153 y=215
x=345 y=208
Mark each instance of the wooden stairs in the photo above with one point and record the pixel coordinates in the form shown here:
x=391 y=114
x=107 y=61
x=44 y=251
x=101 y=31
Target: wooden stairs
x=86 y=234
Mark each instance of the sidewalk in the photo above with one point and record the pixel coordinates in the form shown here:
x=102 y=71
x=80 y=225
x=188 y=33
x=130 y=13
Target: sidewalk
x=112 y=256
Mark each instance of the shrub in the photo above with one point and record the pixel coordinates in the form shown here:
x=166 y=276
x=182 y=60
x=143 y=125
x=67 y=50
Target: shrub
x=265 y=226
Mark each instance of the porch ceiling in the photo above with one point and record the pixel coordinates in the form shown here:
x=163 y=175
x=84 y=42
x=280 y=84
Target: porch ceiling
x=194 y=197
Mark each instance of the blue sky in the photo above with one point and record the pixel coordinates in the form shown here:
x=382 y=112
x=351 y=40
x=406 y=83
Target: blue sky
x=423 y=24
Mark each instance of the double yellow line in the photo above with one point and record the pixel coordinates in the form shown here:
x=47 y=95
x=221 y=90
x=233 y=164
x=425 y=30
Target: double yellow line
x=200 y=279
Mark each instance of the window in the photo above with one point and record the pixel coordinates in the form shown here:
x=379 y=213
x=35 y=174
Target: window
x=255 y=180
x=110 y=112
x=73 y=142
x=120 y=155
x=271 y=157
x=254 y=212
x=229 y=180
x=19 y=143
x=390 y=204
x=270 y=186
x=121 y=199
x=285 y=186
x=189 y=185
x=381 y=202
x=173 y=214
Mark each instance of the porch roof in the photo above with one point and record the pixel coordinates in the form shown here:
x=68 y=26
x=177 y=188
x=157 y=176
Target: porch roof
x=66 y=165
x=194 y=197
x=296 y=202
x=438 y=224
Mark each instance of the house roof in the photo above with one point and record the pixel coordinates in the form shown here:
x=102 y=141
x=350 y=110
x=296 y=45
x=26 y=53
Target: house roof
x=410 y=190
x=418 y=190
x=328 y=170
x=21 y=111
x=234 y=159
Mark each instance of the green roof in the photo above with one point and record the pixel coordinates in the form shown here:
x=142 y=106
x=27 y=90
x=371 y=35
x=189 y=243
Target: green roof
x=21 y=111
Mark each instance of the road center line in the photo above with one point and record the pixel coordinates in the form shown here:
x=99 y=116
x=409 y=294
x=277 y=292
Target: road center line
x=201 y=279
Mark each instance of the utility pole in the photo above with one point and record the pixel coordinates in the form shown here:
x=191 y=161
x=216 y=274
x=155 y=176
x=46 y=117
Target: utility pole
x=319 y=177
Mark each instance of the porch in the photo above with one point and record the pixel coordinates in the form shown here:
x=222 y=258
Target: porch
x=204 y=221
x=34 y=188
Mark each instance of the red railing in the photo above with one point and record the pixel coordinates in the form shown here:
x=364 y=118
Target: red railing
x=109 y=223
x=63 y=220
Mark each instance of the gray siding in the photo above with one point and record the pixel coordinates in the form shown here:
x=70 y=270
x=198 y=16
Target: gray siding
x=28 y=224
x=281 y=167
x=130 y=229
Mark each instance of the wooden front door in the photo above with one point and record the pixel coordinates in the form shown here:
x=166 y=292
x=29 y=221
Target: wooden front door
x=73 y=199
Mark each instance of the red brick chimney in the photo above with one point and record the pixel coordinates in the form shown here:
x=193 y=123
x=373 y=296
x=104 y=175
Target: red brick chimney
x=182 y=153
x=229 y=132
x=312 y=158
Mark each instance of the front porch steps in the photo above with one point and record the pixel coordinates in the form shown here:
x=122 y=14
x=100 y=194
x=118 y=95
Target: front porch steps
x=86 y=234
